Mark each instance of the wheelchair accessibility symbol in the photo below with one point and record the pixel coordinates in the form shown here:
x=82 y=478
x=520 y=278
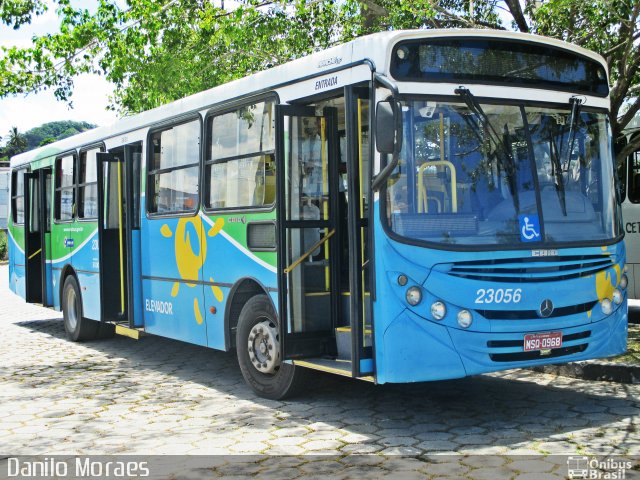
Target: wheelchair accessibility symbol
x=529 y=228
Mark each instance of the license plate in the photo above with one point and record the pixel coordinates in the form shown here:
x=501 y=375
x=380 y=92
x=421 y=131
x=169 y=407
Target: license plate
x=542 y=341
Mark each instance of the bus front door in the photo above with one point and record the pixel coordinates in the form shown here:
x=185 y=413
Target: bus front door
x=306 y=205
x=39 y=288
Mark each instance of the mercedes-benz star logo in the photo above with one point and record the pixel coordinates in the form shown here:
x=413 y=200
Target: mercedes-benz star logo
x=546 y=308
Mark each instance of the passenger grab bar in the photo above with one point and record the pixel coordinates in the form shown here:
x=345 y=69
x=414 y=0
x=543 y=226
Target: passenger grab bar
x=306 y=254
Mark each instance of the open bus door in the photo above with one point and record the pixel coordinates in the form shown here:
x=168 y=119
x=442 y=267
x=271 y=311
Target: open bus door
x=118 y=182
x=307 y=274
x=37 y=196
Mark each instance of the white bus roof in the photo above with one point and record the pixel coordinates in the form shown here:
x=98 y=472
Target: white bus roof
x=375 y=47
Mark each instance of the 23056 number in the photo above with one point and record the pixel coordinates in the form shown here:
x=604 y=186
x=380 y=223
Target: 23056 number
x=499 y=295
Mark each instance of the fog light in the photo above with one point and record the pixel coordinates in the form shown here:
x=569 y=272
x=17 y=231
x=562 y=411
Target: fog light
x=402 y=280
x=617 y=297
x=414 y=296
x=607 y=306
x=624 y=281
x=464 y=318
x=438 y=310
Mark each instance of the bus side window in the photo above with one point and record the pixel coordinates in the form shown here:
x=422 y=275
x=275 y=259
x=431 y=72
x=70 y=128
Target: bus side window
x=65 y=195
x=173 y=174
x=621 y=186
x=240 y=158
x=634 y=177
x=17 y=196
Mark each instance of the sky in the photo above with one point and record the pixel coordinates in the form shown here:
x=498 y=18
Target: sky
x=90 y=96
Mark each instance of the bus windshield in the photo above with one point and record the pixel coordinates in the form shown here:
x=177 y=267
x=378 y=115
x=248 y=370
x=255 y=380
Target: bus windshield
x=497 y=174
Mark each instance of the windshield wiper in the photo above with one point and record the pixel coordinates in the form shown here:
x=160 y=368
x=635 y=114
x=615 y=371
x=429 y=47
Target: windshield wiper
x=575 y=103
x=557 y=173
x=561 y=161
x=505 y=158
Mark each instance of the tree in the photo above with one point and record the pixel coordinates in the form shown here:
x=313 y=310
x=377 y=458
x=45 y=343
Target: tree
x=611 y=28
x=53 y=131
x=16 y=144
x=157 y=51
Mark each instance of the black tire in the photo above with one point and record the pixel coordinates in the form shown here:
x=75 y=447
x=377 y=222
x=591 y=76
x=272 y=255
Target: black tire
x=282 y=380
x=77 y=327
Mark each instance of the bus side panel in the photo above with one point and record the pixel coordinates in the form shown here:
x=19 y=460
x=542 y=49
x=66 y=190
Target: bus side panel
x=171 y=256
x=48 y=271
x=630 y=214
x=17 y=260
x=138 y=314
x=408 y=349
x=229 y=259
x=85 y=261
x=56 y=273
x=90 y=290
x=60 y=257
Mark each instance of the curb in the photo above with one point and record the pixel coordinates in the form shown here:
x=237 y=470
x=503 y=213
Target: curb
x=590 y=370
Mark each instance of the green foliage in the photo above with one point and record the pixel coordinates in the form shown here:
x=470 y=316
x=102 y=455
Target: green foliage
x=54 y=131
x=43 y=135
x=611 y=28
x=3 y=245
x=17 y=143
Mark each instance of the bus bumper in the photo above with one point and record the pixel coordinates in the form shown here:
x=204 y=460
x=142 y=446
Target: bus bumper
x=484 y=352
x=431 y=351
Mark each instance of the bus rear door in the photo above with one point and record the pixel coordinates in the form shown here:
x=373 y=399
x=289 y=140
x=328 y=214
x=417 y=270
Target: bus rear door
x=119 y=241
x=39 y=288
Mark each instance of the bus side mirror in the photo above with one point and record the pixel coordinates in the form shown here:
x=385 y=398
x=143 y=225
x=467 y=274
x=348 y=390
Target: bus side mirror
x=388 y=138
x=388 y=127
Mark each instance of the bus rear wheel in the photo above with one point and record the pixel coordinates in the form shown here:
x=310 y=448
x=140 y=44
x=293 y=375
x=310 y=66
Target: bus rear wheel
x=258 y=350
x=77 y=327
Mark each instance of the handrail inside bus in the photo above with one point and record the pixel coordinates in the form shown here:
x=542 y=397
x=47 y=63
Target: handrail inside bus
x=422 y=188
x=313 y=248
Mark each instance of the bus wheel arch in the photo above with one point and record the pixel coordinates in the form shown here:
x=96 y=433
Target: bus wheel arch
x=258 y=351
x=66 y=271
x=78 y=328
x=241 y=292
x=81 y=328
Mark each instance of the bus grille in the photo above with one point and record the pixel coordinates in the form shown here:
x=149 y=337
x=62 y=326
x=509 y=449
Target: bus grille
x=533 y=314
x=531 y=269
x=581 y=340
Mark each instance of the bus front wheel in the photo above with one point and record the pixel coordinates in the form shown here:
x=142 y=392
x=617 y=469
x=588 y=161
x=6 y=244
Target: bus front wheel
x=258 y=350
x=77 y=327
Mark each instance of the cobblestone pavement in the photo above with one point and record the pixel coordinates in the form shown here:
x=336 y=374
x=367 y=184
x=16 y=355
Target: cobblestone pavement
x=158 y=396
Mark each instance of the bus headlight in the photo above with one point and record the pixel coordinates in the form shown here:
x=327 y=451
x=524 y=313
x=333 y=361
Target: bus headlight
x=438 y=310
x=624 y=281
x=464 y=318
x=617 y=297
x=414 y=296
x=607 y=306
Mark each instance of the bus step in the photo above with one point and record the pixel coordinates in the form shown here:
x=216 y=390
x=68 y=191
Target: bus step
x=129 y=332
x=343 y=341
x=338 y=367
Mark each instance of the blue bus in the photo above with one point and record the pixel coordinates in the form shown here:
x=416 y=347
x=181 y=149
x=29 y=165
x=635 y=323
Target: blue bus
x=406 y=207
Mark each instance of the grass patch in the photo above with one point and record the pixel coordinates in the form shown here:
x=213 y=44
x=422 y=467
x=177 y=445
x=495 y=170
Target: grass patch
x=633 y=347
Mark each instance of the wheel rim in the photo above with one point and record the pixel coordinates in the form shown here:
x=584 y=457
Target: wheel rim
x=264 y=347
x=72 y=309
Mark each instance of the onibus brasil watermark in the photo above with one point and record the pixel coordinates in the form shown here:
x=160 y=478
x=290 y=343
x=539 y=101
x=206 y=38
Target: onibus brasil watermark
x=583 y=467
